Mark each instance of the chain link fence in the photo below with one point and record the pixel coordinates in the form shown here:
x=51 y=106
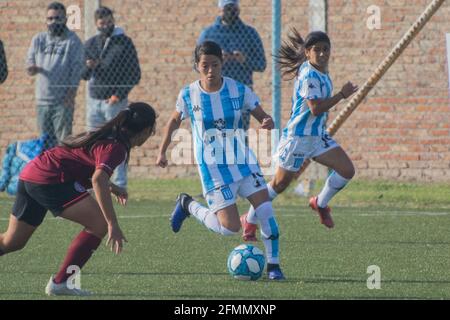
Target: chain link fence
x=83 y=80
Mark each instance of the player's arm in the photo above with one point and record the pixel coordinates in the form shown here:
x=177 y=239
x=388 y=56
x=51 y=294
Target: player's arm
x=101 y=186
x=263 y=118
x=172 y=125
x=319 y=106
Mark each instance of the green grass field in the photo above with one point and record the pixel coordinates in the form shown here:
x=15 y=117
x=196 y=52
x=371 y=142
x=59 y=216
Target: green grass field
x=402 y=228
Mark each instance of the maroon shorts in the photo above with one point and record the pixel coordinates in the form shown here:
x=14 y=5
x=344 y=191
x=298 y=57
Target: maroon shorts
x=34 y=200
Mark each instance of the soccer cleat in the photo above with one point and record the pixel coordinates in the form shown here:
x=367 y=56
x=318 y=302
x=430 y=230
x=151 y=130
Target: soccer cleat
x=180 y=212
x=61 y=289
x=275 y=273
x=248 y=229
x=324 y=213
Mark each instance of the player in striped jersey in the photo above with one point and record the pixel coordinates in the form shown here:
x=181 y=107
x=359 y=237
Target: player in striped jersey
x=305 y=136
x=227 y=167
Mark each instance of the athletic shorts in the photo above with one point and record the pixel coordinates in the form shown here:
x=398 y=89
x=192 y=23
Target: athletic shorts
x=226 y=195
x=293 y=151
x=33 y=200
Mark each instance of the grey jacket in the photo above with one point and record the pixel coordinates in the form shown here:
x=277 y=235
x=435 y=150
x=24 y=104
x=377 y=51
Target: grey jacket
x=60 y=60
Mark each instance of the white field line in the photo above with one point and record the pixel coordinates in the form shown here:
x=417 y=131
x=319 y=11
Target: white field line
x=375 y=213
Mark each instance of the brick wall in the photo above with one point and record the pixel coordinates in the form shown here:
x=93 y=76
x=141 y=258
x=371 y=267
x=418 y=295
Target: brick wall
x=401 y=131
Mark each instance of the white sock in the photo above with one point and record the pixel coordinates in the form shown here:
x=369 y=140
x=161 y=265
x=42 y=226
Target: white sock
x=208 y=218
x=333 y=185
x=269 y=231
x=251 y=216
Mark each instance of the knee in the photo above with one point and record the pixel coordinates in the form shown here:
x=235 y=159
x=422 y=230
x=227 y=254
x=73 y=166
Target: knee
x=280 y=185
x=230 y=230
x=100 y=230
x=349 y=173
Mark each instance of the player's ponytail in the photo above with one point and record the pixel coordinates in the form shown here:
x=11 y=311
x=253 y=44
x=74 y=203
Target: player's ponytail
x=292 y=52
x=128 y=123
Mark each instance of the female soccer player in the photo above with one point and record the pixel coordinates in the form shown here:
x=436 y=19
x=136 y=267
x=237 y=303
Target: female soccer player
x=305 y=135
x=57 y=181
x=227 y=167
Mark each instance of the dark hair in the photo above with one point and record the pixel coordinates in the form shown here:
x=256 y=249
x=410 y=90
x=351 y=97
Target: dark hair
x=292 y=52
x=128 y=123
x=209 y=48
x=103 y=12
x=56 y=6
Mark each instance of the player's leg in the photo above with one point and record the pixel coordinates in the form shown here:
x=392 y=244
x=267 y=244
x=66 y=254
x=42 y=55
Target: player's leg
x=27 y=215
x=281 y=180
x=257 y=195
x=221 y=216
x=343 y=171
x=16 y=236
x=87 y=213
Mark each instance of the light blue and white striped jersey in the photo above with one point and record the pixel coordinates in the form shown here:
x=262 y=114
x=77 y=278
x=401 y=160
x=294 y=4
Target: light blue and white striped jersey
x=219 y=139
x=310 y=84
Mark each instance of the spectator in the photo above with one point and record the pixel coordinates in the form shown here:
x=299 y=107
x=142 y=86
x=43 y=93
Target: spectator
x=55 y=57
x=3 y=65
x=112 y=68
x=243 y=51
x=242 y=47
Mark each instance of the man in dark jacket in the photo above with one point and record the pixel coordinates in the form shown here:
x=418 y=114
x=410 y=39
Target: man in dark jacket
x=242 y=47
x=112 y=68
x=3 y=65
x=243 y=51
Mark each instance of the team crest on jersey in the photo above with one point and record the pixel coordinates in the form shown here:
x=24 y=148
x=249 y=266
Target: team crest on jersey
x=220 y=124
x=236 y=103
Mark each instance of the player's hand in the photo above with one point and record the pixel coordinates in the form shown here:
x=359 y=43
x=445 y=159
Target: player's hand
x=348 y=89
x=162 y=160
x=92 y=64
x=120 y=193
x=267 y=123
x=32 y=70
x=115 y=238
x=239 y=56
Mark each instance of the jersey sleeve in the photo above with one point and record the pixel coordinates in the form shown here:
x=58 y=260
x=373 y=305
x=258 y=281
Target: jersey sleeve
x=251 y=100
x=108 y=156
x=181 y=105
x=310 y=87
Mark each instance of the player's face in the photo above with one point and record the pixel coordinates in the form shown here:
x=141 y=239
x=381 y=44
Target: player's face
x=319 y=55
x=210 y=68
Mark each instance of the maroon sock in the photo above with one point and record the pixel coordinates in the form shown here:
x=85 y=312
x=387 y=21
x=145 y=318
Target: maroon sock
x=78 y=254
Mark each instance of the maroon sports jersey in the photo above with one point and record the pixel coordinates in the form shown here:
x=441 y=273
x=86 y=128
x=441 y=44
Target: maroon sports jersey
x=62 y=164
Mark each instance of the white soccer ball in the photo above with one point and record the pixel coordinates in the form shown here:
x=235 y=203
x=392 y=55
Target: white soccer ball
x=246 y=262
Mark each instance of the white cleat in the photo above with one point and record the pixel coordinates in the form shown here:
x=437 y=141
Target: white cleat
x=61 y=289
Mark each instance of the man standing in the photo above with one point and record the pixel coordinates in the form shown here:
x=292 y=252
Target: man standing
x=112 y=68
x=243 y=51
x=55 y=57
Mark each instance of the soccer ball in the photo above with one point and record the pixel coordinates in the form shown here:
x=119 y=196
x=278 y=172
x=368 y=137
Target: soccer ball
x=246 y=262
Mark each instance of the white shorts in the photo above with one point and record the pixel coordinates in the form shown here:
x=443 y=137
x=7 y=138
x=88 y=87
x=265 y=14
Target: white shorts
x=293 y=151
x=226 y=196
